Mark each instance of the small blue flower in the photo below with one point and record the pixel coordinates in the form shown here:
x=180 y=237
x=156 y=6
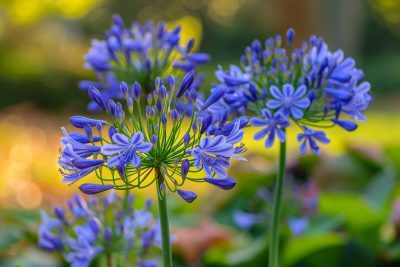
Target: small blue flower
x=74 y=167
x=82 y=252
x=274 y=125
x=290 y=102
x=311 y=137
x=245 y=220
x=298 y=225
x=124 y=150
x=212 y=155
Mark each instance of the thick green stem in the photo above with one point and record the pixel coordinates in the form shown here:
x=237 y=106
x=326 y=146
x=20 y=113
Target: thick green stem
x=162 y=206
x=277 y=205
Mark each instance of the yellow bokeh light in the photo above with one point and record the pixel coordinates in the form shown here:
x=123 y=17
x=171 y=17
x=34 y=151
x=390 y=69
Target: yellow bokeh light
x=75 y=8
x=29 y=195
x=27 y=11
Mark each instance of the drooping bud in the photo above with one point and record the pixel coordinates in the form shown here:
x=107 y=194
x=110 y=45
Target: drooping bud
x=186 y=83
x=92 y=189
x=185 y=168
x=215 y=95
x=188 y=196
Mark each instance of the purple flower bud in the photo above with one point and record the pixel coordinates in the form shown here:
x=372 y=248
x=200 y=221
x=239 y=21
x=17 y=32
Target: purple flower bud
x=149 y=99
x=59 y=212
x=92 y=189
x=186 y=139
x=95 y=95
x=157 y=83
x=215 y=95
x=189 y=45
x=171 y=81
x=186 y=83
x=154 y=139
x=149 y=111
x=129 y=103
x=111 y=108
x=124 y=89
x=185 y=66
x=80 y=121
x=205 y=123
x=137 y=89
x=290 y=36
x=227 y=129
x=162 y=91
x=174 y=115
x=163 y=119
x=278 y=40
x=188 y=196
x=107 y=235
x=185 y=166
x=111 y=131
x=159 y=105
x=194 y=128
x=256 y=46
x=192 y=94
x=223 y=183
x=347 y=125
x=95 y=225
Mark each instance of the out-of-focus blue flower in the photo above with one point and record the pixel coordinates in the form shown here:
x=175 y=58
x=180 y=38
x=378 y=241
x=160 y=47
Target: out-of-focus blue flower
x=245 y=220
x=102 y=227
x=140 y=53
x=169 y=130
x=273 y=125
x=309 y=85
x=298 y=225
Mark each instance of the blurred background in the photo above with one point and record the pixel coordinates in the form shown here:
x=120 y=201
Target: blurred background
x=353 y=218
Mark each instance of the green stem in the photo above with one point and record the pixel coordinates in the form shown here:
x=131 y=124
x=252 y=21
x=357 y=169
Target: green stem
x=278 y=192
x=162 y=206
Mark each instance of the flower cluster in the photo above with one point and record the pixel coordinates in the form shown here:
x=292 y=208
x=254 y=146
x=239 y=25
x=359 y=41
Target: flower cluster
x=304 y=196
x=309 y=86
x=100 y=229
x=139 y=53
x=167 y=140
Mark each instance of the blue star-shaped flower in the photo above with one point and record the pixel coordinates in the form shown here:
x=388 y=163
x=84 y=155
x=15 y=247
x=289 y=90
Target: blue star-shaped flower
x=289 y=101
x=311 y=137
x=274 y=124
x=125 y=150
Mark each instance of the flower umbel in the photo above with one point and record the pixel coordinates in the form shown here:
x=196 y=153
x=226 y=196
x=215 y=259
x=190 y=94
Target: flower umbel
x=176 y=136
x=310 y=86
x=100 y=228
x=137 y=53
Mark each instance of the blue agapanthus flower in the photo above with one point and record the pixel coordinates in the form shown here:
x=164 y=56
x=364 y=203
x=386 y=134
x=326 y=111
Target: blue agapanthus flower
x=153 y=138
x=100 y=229
x=303 y=199
x=309 y=86
x=137 y=53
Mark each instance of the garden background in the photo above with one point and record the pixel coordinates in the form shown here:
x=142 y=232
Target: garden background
x=356 y=181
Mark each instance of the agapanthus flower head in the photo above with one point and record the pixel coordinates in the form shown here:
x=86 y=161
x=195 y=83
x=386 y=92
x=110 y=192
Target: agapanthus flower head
x=309 y=86
x=168 y=136
x=140 y=53
x=100 y=228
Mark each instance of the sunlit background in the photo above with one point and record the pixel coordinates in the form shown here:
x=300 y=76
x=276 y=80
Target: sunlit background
x=42 y=43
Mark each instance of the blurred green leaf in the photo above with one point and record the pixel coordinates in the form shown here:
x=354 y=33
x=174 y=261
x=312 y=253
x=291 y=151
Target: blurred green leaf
x=301 y=247
x=381 y=187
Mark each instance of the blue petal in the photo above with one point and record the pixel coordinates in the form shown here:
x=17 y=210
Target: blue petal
x=275 y=92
